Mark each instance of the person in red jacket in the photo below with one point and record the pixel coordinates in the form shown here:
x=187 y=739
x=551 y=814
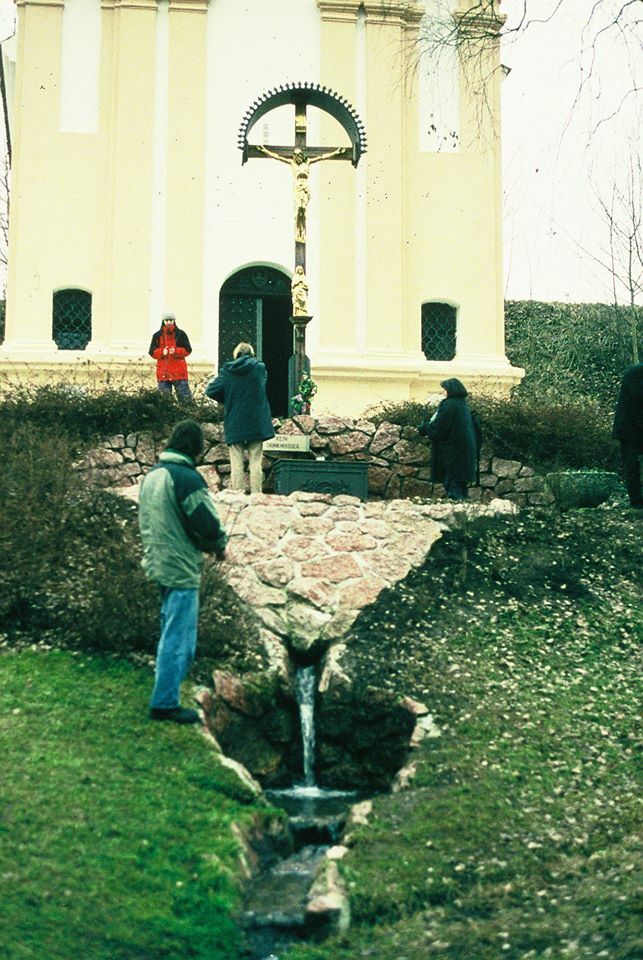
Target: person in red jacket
x=169 y=347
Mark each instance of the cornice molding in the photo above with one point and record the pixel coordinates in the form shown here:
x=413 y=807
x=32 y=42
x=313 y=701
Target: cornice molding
x=399 y=13
x=40 y=3
x=129 y=4
x=476 y=24
x=341 y=10
x=189 y=6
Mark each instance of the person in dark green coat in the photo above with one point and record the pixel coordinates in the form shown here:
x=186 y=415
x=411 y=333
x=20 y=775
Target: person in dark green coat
x=628 y=429
x=247 y=420
x=455 y=441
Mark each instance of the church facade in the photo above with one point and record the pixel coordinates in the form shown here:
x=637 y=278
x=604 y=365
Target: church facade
x=129 y=196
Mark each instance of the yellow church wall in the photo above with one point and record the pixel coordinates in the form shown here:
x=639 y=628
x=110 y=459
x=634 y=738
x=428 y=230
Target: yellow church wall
x=429 y=230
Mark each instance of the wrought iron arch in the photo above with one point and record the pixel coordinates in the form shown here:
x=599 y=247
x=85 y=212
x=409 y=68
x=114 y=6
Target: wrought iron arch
x=312 y=94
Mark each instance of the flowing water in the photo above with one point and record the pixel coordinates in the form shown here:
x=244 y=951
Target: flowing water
x=275 y=906
x=305 y=692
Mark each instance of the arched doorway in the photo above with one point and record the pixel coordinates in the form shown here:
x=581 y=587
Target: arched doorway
x=255 y=305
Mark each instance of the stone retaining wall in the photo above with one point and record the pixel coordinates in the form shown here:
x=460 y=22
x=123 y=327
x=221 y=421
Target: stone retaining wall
x=398 y=457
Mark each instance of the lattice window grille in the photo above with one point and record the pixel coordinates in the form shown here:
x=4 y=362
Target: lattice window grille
x=72 y=319
x=438 y=331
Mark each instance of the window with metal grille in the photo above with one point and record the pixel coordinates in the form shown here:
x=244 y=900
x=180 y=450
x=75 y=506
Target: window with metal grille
x=72 y=319
x=438 y=331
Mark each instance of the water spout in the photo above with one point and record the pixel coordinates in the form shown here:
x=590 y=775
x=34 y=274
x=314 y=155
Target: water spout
x=305 y=690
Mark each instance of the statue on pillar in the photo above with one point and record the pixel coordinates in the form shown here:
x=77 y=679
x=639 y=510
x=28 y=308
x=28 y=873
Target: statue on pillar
x=299 y=288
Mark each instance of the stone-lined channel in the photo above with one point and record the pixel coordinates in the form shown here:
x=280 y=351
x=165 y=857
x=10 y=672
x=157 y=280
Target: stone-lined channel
x=278 y=907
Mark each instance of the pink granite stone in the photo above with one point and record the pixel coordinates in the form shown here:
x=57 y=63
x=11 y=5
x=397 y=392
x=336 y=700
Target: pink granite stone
x=351 y=543
x=357 y=595
x=328 y=425
x=312 y=526
x=277 y=572
x=303 y=548
x=334 y=568
x=342 y=513
x=386 y=435
x=313 y=509
x=375 y=528
x=378 y=478
x=408 y=452
x=347 y=443
x=245 y=583
x=268 y=524
x=388 y=566
x=217 y=454
x=318 y=592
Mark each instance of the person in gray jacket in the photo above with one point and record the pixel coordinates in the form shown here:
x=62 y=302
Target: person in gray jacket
x=247 y=420
x=178 y=523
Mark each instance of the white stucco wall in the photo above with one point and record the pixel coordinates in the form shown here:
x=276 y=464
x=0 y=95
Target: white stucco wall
x=248 y=216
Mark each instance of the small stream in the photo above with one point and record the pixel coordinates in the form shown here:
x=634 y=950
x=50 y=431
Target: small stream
x=305 y=691
x=274 y=912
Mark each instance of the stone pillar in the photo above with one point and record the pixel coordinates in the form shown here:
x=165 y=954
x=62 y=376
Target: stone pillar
x=385 y=109
x=29 y=282
x=129 y=203
x=336 y=187
x=186 y=165
x=481 y=317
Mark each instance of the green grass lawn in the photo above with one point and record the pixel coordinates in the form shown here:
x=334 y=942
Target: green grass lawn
x=518 y=838
x=115 y=832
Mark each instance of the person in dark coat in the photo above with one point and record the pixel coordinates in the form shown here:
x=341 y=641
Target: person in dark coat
x=455 y=441
x=169 y=347
x=247 y=420
x=628 y=429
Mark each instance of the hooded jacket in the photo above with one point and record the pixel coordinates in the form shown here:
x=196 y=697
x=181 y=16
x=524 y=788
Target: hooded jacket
x=454 y=436
x=178 y=522
x=172 y=367
x=241 y=388
x=628 y=416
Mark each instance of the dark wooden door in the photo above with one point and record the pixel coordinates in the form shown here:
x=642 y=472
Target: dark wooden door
x=255 y=306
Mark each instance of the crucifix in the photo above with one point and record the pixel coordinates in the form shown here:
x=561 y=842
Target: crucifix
x=300 y=158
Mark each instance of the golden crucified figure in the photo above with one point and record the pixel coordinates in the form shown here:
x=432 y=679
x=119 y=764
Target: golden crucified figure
x=300 y=163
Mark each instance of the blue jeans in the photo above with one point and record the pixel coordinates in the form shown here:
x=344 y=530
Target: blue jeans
x=177 y=646
x=182 y=388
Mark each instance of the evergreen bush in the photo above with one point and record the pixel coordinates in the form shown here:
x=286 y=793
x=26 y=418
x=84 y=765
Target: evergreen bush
x=85 y=415
x=543 y=433
x=571 y=349
x=70 y=559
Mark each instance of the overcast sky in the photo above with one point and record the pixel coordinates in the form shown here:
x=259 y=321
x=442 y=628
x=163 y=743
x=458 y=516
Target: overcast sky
x=567 y=118
x=558 y=139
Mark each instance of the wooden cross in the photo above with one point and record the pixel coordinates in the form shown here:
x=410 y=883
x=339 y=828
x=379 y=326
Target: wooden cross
x=299 y=158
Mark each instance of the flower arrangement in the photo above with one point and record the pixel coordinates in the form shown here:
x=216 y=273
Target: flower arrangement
x=300 y=403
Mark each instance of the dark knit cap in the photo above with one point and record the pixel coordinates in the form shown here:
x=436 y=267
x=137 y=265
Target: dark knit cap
x=187 y=438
